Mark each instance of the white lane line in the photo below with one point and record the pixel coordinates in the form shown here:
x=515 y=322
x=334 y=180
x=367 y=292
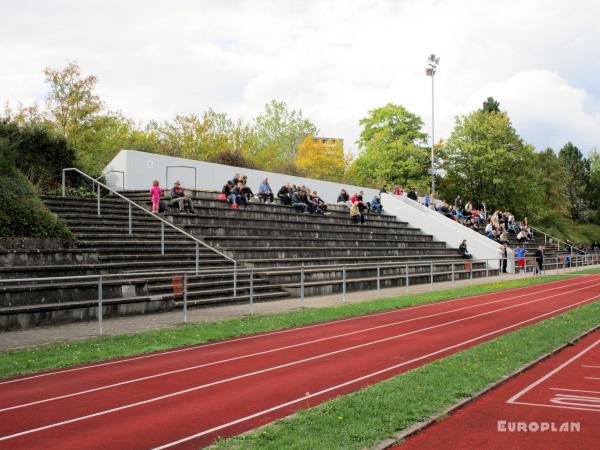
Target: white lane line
x=270 y=369
x=591 y=367
x=574 y=390
x=552 y=372
x=237 y=358
x=291 y=330
x=591 y=378
x=356 y=380
x=555 y=406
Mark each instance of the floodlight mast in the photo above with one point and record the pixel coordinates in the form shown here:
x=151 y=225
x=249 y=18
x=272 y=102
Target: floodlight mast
x=430 y=70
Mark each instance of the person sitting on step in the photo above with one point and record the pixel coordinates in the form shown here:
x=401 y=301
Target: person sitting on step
x=298 y=203
x=285 y=194
x=180 y=199
x=237 y=197
x=376 y=205
x=265 y=193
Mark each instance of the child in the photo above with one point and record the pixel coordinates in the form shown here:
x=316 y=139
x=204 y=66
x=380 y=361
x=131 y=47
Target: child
x=155 y=192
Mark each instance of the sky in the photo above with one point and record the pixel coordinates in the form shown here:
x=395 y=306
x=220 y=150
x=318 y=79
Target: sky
x=334 y=60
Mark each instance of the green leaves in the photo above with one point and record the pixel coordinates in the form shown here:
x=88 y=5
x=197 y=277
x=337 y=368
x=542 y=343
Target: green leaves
x=392 y=148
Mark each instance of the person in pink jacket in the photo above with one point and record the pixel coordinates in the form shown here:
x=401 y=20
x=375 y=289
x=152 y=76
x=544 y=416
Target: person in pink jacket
x=155 y=192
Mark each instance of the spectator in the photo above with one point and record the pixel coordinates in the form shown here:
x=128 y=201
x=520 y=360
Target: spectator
x=356 y=215
x=319 y=202
x=504 y=256
x=488 y=230
x=311 y=206
x=226 y=191
x=265 y=193
x=413 y=195
x=344 y=198
x=595 y=247
x=426 y=200
x=285 y=194
x=383 y=189
x=237 y=196
x=463 y=251
x=179 y=199
x=539 y=260
x=376 y=204
x=235 y=180
x=297 y=202
x=458 y=203
x=520 y=253
x=522 y=236
x=155 y=193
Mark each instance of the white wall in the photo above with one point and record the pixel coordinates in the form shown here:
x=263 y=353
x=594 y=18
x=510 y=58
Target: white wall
x=142 y=168
x=444 y=229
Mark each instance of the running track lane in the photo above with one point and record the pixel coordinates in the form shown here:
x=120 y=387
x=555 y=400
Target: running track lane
x=191 y=396
x=563 y=389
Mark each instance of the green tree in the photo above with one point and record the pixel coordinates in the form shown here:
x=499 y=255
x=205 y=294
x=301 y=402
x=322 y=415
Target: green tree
x=575 y=181
x=486 y=161
x=392 y=148
x=491 y=106
x=549 y=176
x=593 y=185
x=71 y=101
x=279 y=131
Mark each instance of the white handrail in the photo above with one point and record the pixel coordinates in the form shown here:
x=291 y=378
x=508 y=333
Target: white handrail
x=160 y=219
x=546 y=235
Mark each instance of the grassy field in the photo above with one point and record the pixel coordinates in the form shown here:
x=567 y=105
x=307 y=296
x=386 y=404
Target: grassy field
x=66 y=354
x=368 y=416
x=579 y=233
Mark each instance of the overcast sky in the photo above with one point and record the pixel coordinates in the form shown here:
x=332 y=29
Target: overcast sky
x=334 y=60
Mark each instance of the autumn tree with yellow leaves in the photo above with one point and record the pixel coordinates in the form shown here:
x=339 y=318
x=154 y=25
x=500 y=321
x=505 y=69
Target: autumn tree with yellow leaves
x=323 y=159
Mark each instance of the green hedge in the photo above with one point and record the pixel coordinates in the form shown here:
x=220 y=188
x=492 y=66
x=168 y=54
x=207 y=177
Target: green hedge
x=22 y=213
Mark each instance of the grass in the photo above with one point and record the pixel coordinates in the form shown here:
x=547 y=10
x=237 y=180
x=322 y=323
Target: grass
x=102 y=348
x=563 y=228
x=588 y=271
x=370 y=415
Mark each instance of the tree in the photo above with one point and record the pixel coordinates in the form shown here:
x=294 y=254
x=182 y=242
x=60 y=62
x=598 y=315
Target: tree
x=323 y=159
x=39 y=153
x=391 y=123
x=575 y=181
x=392 y=148
x=71 y=100
x=593 y=186
x=486 y=161
x=549 y=175
x=490 y=106
x=279 y=131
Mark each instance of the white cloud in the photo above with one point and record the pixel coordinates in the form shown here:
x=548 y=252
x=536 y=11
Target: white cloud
x=335 y=60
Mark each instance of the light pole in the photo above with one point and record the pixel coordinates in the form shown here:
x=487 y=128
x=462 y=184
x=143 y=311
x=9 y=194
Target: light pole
x=430 y=70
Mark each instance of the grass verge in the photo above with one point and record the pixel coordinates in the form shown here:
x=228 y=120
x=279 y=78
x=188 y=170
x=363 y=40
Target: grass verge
x=588 y=271
x=373 y=414
x=101 y=348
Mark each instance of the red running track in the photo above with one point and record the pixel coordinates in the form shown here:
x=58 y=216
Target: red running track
x=554 y=405
x=186 y=398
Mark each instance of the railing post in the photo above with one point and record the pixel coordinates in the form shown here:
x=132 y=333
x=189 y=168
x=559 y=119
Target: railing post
x=471 y=270
x=378 y=282
x=343 y=284
x=431 y=276
x=162 y=238
x=197 y=257
x=100 y=321
x=452 y=273
x=557 y=264
x=235 y=278
x=64 y=187
x=407 y=281
x=98 y=198
x=302 y=286
x=185 y=296
x=130 y=220
x=252 y=291
x=486 y=269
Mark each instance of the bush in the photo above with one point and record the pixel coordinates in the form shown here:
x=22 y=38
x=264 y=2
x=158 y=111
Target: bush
x=22 y=213
x=36 y=151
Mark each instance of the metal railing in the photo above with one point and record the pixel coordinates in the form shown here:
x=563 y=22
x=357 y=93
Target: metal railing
x=162 y=221
x=393 y=274
x=558 y=241
x=122 y=172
